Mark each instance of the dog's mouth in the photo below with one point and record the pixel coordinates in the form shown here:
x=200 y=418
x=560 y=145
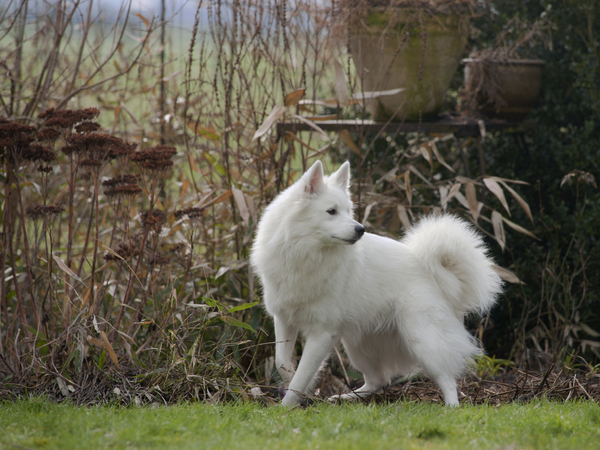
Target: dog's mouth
x=347 y=241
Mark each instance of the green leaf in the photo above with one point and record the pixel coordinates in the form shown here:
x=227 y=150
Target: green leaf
x=244 y=306
x=210 y=302
x=214 y=163
x=213 y=303
x=101 y=359
x=236 y=323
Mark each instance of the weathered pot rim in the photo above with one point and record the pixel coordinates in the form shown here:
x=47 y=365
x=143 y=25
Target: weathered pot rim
x=507 y=62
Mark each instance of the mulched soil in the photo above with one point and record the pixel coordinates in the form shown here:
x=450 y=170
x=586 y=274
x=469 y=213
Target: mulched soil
x=126 y=387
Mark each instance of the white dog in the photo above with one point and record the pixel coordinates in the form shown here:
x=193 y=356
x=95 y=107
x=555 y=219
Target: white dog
x=397 y=306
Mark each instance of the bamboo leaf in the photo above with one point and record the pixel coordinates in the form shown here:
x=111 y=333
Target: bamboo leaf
x=472 y=200
x=495 y=189
x=208 y=133
x=425 y=151
x=236 y=323
x=507 y=275
x=294 y=97
x=224 y=196
x=453 y=191
x=439 y=157
x=312 y=125
x=275 y=114
x=345 y=137
x=498 y=229
x=462 y=200
x=367 y=213
x=146 y=21
x=403 y=216
x=244 y=306
x=443 y=196
x=518 y=198
x=109 y=348
x=94 y=341
x=519 y=228
x=238 y=196
x=65 y=269
x=215 y=164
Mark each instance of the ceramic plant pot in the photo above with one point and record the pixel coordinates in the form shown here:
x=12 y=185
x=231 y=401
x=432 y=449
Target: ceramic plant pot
x=407 y=48
x=516 y=83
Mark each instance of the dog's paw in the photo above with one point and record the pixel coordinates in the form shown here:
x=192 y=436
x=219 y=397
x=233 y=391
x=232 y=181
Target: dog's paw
x=291 y=399
x=350 y=396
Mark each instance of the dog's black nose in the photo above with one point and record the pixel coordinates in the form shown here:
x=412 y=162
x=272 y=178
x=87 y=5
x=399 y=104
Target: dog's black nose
x=359 y=230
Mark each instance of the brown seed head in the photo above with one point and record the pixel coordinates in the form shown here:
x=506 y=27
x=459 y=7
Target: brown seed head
x=48 y=134
x=155 y=159
x=192 y=213
x=39 y=211
x=123 y=179
x=125 y=190
x=87 y=127
x=125 y=250
x=15 y=135
x=67 y=118
x=39 y=152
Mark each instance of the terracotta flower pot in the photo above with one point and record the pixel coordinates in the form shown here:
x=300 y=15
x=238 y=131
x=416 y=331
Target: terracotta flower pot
x=391 y=50
x=516 y=85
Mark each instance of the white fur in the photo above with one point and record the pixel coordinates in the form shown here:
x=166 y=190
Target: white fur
x=397 y=306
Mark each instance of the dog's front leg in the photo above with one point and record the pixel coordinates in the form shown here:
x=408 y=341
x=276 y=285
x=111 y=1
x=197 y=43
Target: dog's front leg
x=317 y=348
x=285 y=337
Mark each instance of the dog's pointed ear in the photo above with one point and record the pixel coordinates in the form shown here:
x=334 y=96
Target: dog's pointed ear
x=313 y=179
x=342 y=176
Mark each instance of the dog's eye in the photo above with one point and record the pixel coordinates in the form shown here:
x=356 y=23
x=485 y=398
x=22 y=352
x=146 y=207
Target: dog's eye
x=331 y=211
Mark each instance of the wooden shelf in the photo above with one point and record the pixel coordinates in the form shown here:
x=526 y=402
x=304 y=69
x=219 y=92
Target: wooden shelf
x=459 y=127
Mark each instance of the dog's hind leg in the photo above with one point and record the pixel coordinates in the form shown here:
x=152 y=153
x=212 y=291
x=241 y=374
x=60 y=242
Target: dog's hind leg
x=317 y=348
x=365 y=391
x=369 y=365
x=447 y=384
x=440 y=345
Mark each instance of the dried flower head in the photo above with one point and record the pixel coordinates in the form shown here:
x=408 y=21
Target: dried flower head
x=48 y=134
x=120 y=149
x=15 y=135
x=154 y=220
x=45 y=169
x=124 y=190
x=87 y=127
x=581 y=176
x=155 y=159
x=125 y=250
x=123 y=179
x=67 y=118
x=39 y=152
x=45 y=211
x=91 y=162
x=99 y=146
x=192 y=213
x=160 y=260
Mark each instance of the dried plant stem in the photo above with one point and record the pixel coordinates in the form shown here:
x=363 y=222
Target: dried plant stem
x=140 y=256
x=26 y=249
x=83 y=256
x=70 y=233
x=93 y=300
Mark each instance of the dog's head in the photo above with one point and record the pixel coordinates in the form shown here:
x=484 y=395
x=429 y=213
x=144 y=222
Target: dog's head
x=327 y=205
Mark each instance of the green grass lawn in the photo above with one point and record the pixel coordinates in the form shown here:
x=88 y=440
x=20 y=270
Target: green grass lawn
x=40 y=424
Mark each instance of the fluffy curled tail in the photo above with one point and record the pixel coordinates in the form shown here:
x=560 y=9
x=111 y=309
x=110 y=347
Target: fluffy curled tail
x=456 y=256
